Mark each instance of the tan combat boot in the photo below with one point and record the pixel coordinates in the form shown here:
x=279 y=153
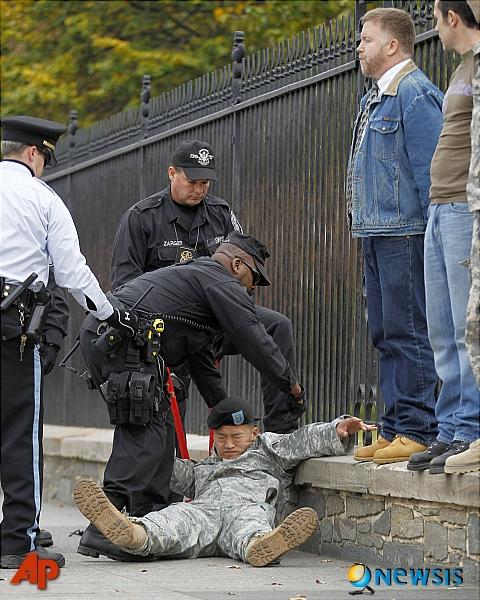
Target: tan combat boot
x=293 y=531
x=115 y=526
x=465 y=462
x=365 y=453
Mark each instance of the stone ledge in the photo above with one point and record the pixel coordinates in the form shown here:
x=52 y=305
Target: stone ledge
x=94 y=444
x=394 y=480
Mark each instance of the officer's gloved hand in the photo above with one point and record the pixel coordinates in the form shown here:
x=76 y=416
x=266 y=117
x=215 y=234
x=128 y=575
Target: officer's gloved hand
x=298 y=403
x=48 y=356
x=124 y=321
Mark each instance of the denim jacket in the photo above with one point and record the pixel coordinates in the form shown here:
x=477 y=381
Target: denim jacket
x=391 y=170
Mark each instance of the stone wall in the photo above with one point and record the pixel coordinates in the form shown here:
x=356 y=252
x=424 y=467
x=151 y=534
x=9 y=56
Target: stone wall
x=387 y=516
x=392 y=532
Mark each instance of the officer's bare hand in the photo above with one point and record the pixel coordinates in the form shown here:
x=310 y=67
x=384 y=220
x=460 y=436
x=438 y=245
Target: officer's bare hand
x=352 y=425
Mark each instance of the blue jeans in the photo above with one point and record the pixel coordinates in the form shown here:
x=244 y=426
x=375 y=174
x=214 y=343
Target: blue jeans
x=447 y=243
x=398 y=327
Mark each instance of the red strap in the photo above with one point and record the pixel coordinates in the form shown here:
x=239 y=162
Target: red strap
x=177 y=420
x=210 y=437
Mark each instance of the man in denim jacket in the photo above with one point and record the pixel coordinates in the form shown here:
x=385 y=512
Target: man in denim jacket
x=388 y=182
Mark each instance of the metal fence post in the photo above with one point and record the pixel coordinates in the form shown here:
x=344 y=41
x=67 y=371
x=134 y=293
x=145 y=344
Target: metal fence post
x=145 y=99
x=238 y=54
x=72 y=130
x=145 y=94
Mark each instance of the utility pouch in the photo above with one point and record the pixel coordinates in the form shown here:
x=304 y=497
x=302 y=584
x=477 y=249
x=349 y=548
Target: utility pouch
x=117 y=398
x=144 y=398
x=38 y=314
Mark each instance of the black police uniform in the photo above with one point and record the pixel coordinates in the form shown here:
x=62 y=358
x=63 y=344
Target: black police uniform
x=152 y=234
x=200 y=290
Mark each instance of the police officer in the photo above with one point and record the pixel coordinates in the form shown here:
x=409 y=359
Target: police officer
x=197 y=299
x=35 y=227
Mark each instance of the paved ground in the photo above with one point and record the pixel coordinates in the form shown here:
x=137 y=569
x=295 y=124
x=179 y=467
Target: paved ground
x=300 y=576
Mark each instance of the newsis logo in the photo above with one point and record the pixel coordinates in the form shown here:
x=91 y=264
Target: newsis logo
x=360 y=576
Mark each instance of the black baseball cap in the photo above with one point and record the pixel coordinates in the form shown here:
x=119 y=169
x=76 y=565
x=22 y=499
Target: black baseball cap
x=196 y=158
x=33 y=132
x=231 y=411
x=255 y=248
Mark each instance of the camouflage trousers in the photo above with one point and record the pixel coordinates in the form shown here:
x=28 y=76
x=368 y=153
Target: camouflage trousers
x=472 y=332
x=204 y=528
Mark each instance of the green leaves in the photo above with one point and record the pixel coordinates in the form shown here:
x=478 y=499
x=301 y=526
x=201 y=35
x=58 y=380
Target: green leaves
x=91 y=55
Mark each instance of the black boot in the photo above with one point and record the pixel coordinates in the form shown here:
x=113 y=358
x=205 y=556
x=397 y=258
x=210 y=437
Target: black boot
x=420 y=461
x=43 y=538
x=13 y=561
x=94 y=543
x=438 y=464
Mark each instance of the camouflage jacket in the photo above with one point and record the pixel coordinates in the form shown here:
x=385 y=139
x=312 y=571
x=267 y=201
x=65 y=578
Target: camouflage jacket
x=473 y=185
x=263 y=472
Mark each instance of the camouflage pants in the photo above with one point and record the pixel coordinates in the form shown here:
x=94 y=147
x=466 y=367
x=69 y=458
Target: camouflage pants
x=204 y=528
x=472 y=333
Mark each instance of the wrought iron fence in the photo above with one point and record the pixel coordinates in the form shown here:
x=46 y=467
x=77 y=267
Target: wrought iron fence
x=280 y=121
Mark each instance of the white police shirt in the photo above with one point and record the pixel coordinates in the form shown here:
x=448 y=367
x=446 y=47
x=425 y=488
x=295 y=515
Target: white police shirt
x=35 y=225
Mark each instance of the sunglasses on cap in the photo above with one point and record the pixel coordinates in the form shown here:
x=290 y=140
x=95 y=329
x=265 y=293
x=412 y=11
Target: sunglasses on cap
x=256 y=277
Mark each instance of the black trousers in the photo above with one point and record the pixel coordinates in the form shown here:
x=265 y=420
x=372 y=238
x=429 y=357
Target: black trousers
x=21 y=442
x=139 y=469
x=277 y=413
x=278 y=417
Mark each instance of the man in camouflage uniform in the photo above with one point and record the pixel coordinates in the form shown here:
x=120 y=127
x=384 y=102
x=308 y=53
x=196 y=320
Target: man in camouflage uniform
x=472 y=335
x=236 y=493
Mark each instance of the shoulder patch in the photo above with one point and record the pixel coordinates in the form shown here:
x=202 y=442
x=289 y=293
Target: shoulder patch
x=235 y=223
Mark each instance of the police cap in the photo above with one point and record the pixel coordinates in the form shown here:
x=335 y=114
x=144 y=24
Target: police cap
x=255 y=248
x=196 y=158
x=231 y=411
x=33 y=132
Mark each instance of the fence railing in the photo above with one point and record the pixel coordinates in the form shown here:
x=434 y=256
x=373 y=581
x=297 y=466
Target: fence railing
x=280 y=121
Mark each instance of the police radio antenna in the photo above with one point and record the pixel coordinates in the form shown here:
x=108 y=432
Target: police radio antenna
x=142 y=297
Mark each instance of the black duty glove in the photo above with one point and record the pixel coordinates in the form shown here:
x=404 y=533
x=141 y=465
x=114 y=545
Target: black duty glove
x=298 y=404
x=48 y=356
x=124 y=321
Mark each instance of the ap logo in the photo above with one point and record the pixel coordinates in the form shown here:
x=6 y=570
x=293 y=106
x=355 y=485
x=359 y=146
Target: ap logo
x=36 y=570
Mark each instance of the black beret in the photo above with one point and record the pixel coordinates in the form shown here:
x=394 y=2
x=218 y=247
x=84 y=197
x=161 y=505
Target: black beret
x=231 y=411
x=33 y=132
x=255 y=248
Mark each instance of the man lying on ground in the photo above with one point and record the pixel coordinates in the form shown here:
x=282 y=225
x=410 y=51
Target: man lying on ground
x=235 y=492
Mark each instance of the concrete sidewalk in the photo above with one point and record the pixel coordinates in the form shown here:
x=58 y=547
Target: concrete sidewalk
x=300 y=576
